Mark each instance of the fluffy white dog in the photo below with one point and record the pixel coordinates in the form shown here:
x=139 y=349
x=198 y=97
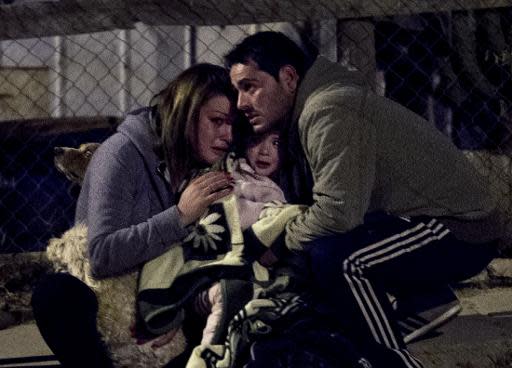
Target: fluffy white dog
x=116 y=303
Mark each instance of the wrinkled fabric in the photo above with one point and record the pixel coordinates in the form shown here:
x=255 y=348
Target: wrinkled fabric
x=282 y=333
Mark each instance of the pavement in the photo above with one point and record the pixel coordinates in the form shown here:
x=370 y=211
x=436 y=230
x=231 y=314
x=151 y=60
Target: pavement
x=23 y=341
x=480 y=337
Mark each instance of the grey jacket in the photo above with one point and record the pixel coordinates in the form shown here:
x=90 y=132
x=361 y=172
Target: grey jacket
x=367 y=153
x=128 y=208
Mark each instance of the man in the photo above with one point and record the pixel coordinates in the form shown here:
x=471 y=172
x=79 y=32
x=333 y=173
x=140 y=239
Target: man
x=393 y=205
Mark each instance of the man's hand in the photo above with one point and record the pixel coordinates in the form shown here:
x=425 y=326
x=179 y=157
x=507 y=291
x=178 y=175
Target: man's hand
x=201 y=192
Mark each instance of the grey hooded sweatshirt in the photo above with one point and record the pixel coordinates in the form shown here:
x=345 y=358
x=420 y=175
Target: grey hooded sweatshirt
x=127 y=206
x=366 y=153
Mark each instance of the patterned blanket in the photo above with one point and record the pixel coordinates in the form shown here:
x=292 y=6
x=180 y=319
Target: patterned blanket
x=216 y=249
x=281 y=332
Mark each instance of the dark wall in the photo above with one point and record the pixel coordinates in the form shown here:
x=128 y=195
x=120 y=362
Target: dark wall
x=36 y=201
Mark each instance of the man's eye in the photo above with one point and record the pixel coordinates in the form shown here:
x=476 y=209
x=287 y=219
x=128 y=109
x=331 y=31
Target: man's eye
x=247 y=87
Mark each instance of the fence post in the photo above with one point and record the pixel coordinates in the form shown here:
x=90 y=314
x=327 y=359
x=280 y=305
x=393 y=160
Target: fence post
x=124 y=67
x=356 y=46
x=190 y=46
x=58 y=100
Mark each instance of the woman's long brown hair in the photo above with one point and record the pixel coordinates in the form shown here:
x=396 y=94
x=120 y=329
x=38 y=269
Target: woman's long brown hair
x=179 y=106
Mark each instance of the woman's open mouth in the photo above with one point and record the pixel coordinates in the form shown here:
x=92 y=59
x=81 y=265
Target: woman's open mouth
x=262 y=164
x=219 y=151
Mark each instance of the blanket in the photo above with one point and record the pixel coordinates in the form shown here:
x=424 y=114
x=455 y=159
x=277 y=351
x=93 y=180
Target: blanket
x=216 y=249
x=280 y=333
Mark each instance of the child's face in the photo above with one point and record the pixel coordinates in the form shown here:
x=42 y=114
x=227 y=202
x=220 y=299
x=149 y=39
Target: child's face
x=262 y=153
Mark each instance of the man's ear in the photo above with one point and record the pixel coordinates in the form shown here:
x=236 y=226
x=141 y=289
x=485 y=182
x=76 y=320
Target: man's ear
x=289 y=78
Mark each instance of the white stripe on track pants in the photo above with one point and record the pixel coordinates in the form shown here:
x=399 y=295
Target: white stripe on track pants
x=353 y=272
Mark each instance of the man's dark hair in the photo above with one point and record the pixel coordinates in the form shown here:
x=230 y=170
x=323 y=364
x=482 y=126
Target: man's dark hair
x=270 y=51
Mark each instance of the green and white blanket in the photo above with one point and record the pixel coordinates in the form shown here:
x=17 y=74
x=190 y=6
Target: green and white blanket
x=216 y=249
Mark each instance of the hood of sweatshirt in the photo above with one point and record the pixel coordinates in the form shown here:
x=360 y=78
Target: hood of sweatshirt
x=321 y=74
x=137 y=128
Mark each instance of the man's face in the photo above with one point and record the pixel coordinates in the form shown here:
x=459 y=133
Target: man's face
x=264 y=100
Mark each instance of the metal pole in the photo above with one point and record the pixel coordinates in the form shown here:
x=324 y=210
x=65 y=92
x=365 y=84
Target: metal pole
x=356 y=47
x=190 y=46
x=58 y=101
x=124 y=68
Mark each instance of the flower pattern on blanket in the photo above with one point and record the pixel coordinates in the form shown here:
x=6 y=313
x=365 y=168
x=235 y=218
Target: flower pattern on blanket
x=206 y=232
x=209 y=237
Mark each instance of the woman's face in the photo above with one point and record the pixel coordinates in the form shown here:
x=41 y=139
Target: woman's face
x=263 y=154
x=213 y=133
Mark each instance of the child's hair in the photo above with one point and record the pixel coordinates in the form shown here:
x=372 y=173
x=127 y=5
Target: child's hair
x=242 y=132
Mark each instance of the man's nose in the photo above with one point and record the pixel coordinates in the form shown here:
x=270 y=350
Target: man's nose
x=241 y=103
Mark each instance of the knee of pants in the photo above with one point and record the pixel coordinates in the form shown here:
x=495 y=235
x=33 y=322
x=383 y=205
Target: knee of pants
x=326 y=259
x=476 y=258
x=64 y=293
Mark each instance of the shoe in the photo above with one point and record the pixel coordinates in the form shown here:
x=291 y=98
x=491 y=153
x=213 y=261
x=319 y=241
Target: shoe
x=418 y=314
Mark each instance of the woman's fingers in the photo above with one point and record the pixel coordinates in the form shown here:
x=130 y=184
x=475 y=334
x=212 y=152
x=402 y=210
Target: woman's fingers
x=204 y=179
x=219 y=185
x=164 y=339
x=213 y=181
x=201 y=192
x=219 y=194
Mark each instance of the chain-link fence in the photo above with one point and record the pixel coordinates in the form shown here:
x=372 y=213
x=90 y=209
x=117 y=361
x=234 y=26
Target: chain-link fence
x=448 y=61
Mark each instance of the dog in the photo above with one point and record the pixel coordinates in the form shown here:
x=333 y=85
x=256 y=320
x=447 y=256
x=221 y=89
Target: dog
x=116 y=304
x=116 y=295
x=73 y=162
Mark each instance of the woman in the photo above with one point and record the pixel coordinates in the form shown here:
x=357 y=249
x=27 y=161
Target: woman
x=130 y=202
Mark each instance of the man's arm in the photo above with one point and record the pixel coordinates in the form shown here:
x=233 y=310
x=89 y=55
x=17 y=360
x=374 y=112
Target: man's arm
x=341 y=150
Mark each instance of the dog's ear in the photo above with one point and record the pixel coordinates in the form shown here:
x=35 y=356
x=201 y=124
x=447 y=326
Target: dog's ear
x=89 y=148
x=73 y=162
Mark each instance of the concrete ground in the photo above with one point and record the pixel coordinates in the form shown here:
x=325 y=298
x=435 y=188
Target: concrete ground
x=478 y=338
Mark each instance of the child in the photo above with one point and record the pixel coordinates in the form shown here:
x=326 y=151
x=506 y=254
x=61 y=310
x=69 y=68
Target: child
x=253 y=188
x=262 y=153
x=254 y=174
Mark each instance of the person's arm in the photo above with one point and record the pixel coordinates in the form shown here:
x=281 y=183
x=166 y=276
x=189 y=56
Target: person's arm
x=116 y=244
x=340 y=148
x=120 y=239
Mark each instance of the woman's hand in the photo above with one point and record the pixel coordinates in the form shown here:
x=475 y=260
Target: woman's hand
x=163 y=339
x=201 y=192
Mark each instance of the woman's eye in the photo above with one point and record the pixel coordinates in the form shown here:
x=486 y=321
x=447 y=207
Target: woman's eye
x=276 y=142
